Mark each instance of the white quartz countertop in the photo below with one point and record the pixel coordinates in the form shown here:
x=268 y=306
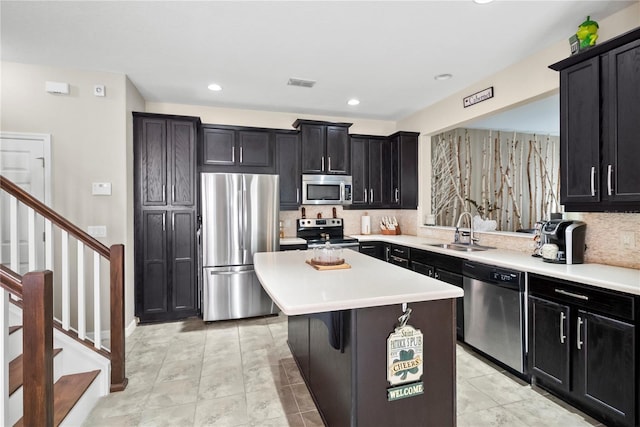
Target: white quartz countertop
x=603 y=276
x=298 y=288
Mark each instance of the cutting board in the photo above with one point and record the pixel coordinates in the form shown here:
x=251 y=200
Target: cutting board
x=342 y=266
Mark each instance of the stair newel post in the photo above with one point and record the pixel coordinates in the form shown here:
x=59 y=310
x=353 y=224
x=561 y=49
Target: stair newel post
x=37 y=297
x=116 y=265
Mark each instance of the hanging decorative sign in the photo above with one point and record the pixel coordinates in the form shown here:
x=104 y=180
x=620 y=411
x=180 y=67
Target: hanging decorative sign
x=477 y=97
x=404 y=360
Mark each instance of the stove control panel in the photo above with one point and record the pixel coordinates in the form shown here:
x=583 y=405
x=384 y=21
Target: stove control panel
x=329 y=222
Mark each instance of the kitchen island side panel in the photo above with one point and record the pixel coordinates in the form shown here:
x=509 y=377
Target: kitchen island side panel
x=437 y=406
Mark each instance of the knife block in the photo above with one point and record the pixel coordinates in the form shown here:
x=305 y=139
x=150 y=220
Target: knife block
x=392 y=232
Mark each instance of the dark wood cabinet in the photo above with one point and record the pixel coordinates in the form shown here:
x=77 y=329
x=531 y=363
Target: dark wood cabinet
x=325 y=147
x=583 y=347
x=374 y=249
x=549 y=355
x=288 y=168
x=623 y=128
x=403 y=189
x=366 y=171
x=165 y=217
x=237 y=149
x=580 y=135
x=599 y=127
x=445 y=268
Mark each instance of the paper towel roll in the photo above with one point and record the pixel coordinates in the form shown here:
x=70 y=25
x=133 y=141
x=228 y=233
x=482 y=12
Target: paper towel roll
x=365 y=224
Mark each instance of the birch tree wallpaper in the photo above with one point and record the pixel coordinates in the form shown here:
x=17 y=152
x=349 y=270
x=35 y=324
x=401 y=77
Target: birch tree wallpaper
x=509 y=177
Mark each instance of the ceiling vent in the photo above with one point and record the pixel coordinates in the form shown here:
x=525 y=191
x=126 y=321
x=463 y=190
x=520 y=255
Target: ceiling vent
x=301 y=82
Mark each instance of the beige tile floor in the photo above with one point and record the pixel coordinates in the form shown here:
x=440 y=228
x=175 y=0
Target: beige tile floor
x=241 y=373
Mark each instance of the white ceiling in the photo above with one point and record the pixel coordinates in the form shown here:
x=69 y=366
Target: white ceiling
x=385 y=53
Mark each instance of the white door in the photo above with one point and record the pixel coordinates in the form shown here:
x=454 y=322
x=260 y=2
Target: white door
x=22 y=161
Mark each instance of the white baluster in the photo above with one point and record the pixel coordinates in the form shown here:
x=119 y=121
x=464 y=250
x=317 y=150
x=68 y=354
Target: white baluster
x=48 y=245
x=4 y=358
x=97 y=330
x=66 y=286
x=14 y=251
x=82 y=321
x=31 y=215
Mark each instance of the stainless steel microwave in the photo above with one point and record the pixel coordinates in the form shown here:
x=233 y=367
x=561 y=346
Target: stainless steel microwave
x=326 y=190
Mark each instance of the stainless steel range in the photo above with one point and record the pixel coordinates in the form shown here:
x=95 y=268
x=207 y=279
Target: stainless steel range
x=319 y=231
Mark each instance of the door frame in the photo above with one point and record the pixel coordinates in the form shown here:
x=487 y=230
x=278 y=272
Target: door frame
x=45 y=139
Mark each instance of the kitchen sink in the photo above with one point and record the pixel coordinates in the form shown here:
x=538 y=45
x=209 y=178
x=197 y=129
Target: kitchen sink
x=460 y=247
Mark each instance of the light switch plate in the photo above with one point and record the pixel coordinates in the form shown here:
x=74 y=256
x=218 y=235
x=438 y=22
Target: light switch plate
x=628 y=239
x=97 y=230
x=101 y=188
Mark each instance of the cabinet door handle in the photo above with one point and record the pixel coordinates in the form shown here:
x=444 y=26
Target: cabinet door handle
x=173 y=194
x=240 y=154
x=579 y=342
x=609 y=171
x=173 y=222
x=436 y=275
x=233 y=155
x=329 y=161
x=164 y=193
x=163 y=221
x=367 y=247
x=297 y=195
x=397 y=195
x=322 y=166
x=571 y=294
x=593 y=181
x=371 y=197
x=562 y=334
x=365 y=196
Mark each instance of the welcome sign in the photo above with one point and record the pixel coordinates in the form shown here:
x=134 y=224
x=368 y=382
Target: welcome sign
x=404 y=363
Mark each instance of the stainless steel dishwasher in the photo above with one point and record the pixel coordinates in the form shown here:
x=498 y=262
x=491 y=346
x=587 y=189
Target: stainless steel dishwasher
x=494 y=317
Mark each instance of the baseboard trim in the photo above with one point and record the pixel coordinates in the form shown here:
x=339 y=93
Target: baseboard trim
x=131 y=327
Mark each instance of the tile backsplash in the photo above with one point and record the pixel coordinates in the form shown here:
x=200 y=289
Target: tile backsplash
x=603 y=239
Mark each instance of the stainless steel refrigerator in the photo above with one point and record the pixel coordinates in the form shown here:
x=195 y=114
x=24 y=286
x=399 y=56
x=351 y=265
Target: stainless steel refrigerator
x=239 y=218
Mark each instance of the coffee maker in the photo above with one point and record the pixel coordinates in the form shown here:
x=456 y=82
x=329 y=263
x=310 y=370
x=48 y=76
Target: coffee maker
x=569 y=238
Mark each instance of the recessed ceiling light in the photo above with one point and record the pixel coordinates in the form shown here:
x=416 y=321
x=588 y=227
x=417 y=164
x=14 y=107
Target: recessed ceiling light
x=482 y=1
x=353 y=101
x=215 y=87
x=443 y=76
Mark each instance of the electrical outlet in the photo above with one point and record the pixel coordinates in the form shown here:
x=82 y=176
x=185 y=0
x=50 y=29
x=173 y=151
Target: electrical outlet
x=628 y=239
x=97 y=230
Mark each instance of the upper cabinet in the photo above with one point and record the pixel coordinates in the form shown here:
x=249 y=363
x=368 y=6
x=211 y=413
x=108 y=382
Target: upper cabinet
x=403 y=189
x=599 y=127
x=288 y=168
x=325 y=147
x=166 y=152
x=237 y=149
x=367 y=154
x=385 y=171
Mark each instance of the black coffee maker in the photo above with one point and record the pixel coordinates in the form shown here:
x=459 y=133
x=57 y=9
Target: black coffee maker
x=569 y=237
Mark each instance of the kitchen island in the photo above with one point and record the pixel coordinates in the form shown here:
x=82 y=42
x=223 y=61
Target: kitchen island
x=343 y=336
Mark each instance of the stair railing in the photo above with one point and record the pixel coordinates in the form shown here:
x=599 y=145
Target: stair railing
x=36 y=291
x=74 y=324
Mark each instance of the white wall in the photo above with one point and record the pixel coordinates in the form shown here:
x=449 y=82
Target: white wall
x=91 y=141
x=518 y=84
x=266 y=119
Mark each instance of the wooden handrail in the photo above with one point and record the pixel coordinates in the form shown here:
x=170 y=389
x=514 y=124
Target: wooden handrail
x=115 y=255
x=52 y=216
x=11 y=281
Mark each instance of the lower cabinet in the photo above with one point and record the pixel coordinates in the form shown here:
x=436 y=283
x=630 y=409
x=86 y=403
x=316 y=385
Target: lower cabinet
x=583 y=347
x=374 y=249
x=166 y=287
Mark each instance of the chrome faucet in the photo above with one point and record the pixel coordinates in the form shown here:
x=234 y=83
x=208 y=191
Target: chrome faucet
x=472 y=239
